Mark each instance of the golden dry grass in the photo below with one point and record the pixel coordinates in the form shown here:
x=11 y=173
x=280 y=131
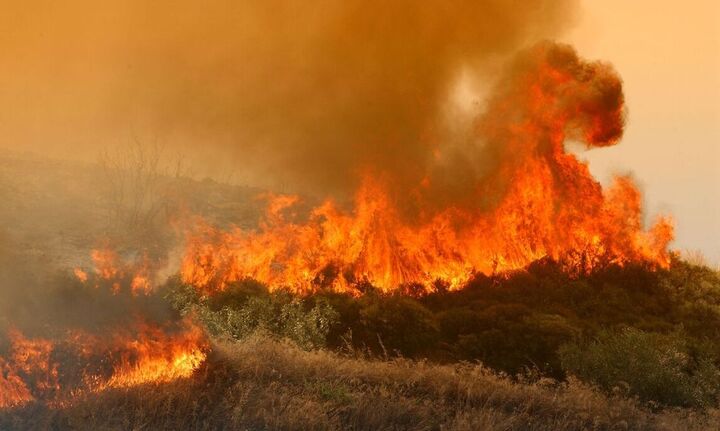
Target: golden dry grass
x=264 y=384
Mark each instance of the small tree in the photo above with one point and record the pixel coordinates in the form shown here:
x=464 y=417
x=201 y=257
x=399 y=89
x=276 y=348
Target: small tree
x=142 y=190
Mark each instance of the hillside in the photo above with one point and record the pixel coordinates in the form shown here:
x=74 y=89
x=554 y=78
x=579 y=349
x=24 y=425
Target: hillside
x=632 y=347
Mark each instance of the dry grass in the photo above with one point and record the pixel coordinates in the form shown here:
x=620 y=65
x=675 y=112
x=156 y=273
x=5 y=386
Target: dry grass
x=263 y=384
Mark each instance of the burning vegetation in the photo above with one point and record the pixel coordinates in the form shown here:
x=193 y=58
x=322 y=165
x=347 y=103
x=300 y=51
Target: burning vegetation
x=537 y=201
x=492 y=244
x=59 y=370
x=342 y=274
x=110 y=268
x=140 y=350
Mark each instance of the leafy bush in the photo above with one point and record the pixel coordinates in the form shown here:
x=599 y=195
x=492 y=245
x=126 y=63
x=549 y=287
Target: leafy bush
x=655 y=367
x=398 y=323
x=507 y=337
x=247 y=307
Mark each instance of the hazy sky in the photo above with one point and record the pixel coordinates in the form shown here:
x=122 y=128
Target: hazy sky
x=245 y=82
x=668 y=54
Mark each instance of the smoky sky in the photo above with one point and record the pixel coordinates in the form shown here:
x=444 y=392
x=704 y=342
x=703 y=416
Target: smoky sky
x=289 y=94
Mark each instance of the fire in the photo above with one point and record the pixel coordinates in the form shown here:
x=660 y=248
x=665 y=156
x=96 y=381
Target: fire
x=154 y=356
x=111 y=268
x=106 y=263
x=75 y=362
x=13 y=390
x=145 y=354
x=81 y=275
x=538 y=201
x=27 y=370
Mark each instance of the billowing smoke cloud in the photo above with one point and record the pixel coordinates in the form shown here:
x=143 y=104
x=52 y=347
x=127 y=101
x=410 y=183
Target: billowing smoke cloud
x=301 y=95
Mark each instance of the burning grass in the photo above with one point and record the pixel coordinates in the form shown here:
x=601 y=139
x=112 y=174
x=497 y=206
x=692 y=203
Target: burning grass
x=264 y=384
x=103 y=332
x=58 y=371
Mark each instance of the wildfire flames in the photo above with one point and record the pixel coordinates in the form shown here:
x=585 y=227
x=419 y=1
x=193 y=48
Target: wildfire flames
x=80 y=362
x=29 y=359
x=40 y=369
x=538 y=201
x=534 y=201
x=111 y=268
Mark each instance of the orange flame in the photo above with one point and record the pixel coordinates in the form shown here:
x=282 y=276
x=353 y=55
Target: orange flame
x=81 y=275
x=150 y=354
x=110 y=267
x=29 y=361
x=105 y=261
x=539 y=201
x=154 y=356
x=13 y=391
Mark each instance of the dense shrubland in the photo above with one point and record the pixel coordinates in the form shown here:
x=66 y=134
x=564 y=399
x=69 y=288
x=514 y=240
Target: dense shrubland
x=650 y=334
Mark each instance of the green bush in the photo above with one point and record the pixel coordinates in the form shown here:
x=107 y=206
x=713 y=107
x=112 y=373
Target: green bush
x=275 y=314
x=247 y=307
x=655 y=367
x=395 y=323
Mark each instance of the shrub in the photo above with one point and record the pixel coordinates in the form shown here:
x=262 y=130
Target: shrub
x=182 y=297
x=655 y=367
x=397 y=324
x=278 y=314
x=247 y=307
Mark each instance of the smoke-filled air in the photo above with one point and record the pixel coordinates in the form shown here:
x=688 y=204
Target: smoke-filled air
x=332 y=215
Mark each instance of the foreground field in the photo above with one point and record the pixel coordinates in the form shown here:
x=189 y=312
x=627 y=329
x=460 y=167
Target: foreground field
x=264 y=384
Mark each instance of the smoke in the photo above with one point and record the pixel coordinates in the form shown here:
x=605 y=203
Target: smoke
x=296 y=95
x=544 y=96
x=41 y=300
